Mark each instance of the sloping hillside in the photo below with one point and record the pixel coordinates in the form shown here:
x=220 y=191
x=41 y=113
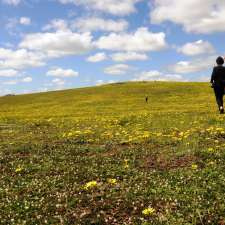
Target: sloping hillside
x=102 y=155
x=121 y=98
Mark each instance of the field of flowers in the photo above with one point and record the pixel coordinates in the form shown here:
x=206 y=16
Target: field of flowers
x=102 y=155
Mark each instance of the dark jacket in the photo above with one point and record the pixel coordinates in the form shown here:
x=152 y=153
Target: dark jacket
x=218 y=76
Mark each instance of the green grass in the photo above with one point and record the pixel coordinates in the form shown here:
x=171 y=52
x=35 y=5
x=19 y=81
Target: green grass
x=167 y=155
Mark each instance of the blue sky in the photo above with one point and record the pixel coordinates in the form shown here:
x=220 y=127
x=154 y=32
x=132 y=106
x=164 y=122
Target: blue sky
x=60 y=44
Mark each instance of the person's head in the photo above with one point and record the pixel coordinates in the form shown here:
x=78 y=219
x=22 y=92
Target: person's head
x=220 y=61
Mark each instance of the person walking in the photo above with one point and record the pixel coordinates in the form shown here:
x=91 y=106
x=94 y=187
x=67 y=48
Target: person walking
x=218 y=82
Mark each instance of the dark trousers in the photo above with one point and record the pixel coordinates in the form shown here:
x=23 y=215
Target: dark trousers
x=219 y=93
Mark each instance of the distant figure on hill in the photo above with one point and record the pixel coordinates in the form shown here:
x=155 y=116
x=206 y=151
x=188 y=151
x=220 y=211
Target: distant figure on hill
x=146 y=99
x=218 y=82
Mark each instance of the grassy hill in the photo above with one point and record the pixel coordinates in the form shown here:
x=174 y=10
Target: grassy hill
x=102 y=155
x=126 y=97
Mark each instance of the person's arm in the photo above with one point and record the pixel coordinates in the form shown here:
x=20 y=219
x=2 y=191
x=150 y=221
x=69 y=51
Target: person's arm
x=213 y=76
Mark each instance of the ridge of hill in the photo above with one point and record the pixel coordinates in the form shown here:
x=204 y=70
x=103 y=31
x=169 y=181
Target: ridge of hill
x=119 y=98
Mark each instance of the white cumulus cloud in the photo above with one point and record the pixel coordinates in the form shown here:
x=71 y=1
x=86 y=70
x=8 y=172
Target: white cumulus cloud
x=13 y=25
x=118 y=69
x=59 y=72
x=58 y=82
x=16 y=81
x=98 y=57
x=195 y=65
x=12 y=2
x=140 y=41
x=27 y=79
x=155 y=75
x=97 y=23
x=8 y=73
x=58 y=44
x=128 y=56
x=10 y=82
x=115 y=7
x=198 y=16
x=20 y=59
x=25 y=21
x=102 y=82
x=196 y=48
x=57 y=25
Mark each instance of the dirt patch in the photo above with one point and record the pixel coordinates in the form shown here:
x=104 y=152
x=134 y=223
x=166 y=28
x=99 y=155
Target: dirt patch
x=160 y=162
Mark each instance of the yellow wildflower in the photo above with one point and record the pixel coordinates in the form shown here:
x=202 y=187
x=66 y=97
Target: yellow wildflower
x=210 y=150
x=181 y=134
x=148 y=211
x=112 y=181
x=219 y=129
x=90 y=185
x=194 y=166
x=159 y=134
x=146 y=134
x=211 y=163
x=69 y=134
x=18 y=169
x=126 y=164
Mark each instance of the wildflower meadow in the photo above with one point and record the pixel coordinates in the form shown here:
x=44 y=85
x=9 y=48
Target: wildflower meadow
x=102 y=155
